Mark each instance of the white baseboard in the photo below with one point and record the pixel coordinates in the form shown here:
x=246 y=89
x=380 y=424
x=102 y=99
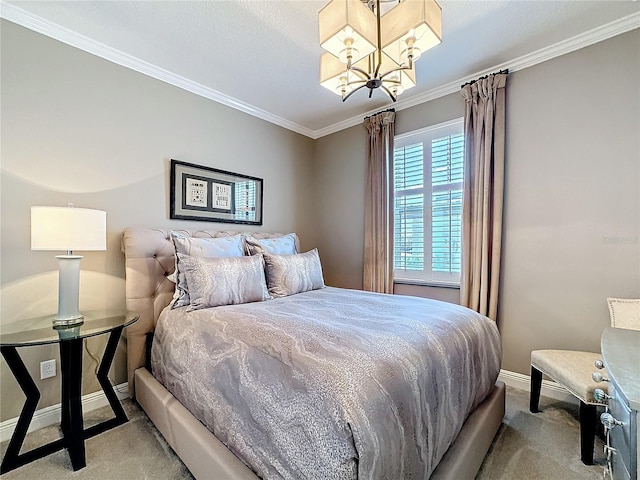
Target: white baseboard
x=549 y=388
x=51 y=415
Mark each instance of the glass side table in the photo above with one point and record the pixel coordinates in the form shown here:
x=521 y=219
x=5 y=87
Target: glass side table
x=40 y=331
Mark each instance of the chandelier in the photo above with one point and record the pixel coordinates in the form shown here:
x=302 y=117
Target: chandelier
x=370 y=47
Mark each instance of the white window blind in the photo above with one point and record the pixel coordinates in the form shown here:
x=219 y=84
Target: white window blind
x=428 y=174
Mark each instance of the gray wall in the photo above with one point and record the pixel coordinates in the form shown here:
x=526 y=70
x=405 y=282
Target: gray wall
x=572 y=202
x=76 y=128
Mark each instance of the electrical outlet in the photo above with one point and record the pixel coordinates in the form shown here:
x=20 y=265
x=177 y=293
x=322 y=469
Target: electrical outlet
x=48 y=369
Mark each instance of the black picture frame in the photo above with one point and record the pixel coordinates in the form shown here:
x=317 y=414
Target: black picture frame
x=208 y=194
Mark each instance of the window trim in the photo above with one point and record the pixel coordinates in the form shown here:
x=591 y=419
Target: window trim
x=421 y=280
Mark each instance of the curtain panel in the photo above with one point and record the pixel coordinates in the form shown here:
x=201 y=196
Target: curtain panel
x=378 y=214
x=484 y=137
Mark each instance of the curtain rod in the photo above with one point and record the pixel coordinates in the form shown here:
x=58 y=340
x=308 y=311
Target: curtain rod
x=505 y=71
x=381 y=111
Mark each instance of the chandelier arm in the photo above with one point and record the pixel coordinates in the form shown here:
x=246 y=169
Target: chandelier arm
x=344 y=99
x=364 y=75
x=388 y=92
x=394 y=70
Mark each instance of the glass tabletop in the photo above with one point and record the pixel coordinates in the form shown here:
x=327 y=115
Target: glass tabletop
x=40 y=330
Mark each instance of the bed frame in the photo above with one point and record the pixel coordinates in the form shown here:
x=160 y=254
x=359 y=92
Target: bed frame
x=149 y=258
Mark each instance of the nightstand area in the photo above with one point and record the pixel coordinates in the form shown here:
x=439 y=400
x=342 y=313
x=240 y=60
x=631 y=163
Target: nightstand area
x=40 y=331
x=621 y=355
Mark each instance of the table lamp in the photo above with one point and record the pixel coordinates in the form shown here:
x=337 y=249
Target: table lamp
x=68 y=229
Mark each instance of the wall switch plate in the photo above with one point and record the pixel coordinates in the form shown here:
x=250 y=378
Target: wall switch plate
x=48 y=369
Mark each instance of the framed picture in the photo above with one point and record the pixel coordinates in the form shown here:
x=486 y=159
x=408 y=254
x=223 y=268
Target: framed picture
x=212 y=195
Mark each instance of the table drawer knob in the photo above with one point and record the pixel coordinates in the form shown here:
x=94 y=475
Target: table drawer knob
x=601 y=396
x=597 y=377
x=599 y=364
x=609 y=421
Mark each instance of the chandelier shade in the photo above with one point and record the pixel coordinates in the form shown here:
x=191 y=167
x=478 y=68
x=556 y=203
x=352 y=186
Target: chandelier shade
x=347 y=25
x=411 y=25
x=370 y=47
x=333 y=74
x=397 y=80
x=336 y=78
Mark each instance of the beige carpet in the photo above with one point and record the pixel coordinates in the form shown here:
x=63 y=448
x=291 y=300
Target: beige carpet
x=527 y=446
x=544 y=445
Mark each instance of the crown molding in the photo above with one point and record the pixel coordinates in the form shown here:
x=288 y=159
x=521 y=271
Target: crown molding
x=21 y=17
x=598 y=34
x=26 y=19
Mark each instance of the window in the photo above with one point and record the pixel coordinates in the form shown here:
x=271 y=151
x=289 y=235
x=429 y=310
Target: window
x=427 y=177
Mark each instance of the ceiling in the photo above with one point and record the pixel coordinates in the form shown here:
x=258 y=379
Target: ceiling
x=262 y=57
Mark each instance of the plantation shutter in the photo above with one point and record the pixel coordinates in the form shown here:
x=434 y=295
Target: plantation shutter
x=427 y=180
x=408 y=178
x=447 y=157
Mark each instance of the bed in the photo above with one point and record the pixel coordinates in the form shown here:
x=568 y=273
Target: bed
x=358 y=428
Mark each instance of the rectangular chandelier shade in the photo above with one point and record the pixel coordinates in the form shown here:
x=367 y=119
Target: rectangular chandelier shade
x=411 y=23
x=407 y=77
x=68 y=229
x=332 y=73
x=347 y=23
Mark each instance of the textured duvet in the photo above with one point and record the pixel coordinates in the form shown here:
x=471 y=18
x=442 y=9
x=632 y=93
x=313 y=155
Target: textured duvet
x=332 y=383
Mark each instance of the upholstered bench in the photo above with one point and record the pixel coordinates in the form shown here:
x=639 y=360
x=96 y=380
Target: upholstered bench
x=573 y=371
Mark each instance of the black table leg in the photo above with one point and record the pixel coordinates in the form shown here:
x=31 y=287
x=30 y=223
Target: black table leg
x=103 y=378
x=72 y=428
x=12 y=456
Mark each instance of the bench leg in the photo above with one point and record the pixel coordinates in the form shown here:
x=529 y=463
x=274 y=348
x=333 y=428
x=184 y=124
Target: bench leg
x=536 y=384
x=588 y=423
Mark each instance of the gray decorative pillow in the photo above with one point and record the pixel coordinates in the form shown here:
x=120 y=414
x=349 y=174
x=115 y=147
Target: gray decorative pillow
x=284 y=245
x=232 y=246
x=224 y=281
x=291 y=274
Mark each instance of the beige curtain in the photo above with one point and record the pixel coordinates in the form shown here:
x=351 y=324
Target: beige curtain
x=378 y=210
x=484 y=132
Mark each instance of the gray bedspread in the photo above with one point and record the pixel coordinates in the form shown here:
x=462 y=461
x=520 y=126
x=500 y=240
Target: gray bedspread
x=332 y=383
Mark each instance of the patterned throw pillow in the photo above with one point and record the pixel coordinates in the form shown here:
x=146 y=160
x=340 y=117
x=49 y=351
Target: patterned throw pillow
x=232 y=246
x=284 y=245
x=224 y=281
x=291 y=274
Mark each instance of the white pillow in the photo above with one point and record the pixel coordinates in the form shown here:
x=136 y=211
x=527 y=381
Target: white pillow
x=224 y=281
x=283 y=245
x=291 y=274
x=225 y=247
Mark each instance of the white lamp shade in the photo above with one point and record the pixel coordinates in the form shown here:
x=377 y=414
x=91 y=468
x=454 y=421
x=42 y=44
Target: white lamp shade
x=340 y=20
x=68 y=228
x=419 y=19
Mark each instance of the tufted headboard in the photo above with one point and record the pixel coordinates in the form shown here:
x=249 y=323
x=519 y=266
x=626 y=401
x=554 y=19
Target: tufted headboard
x=149 y=258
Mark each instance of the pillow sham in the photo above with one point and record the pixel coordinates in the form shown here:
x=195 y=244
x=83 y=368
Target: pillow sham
x=232 y=246
x=284 y=245
x=216 y=281
x=291 y=274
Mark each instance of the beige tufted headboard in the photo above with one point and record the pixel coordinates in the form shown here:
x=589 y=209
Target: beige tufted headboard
x=149 y=258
